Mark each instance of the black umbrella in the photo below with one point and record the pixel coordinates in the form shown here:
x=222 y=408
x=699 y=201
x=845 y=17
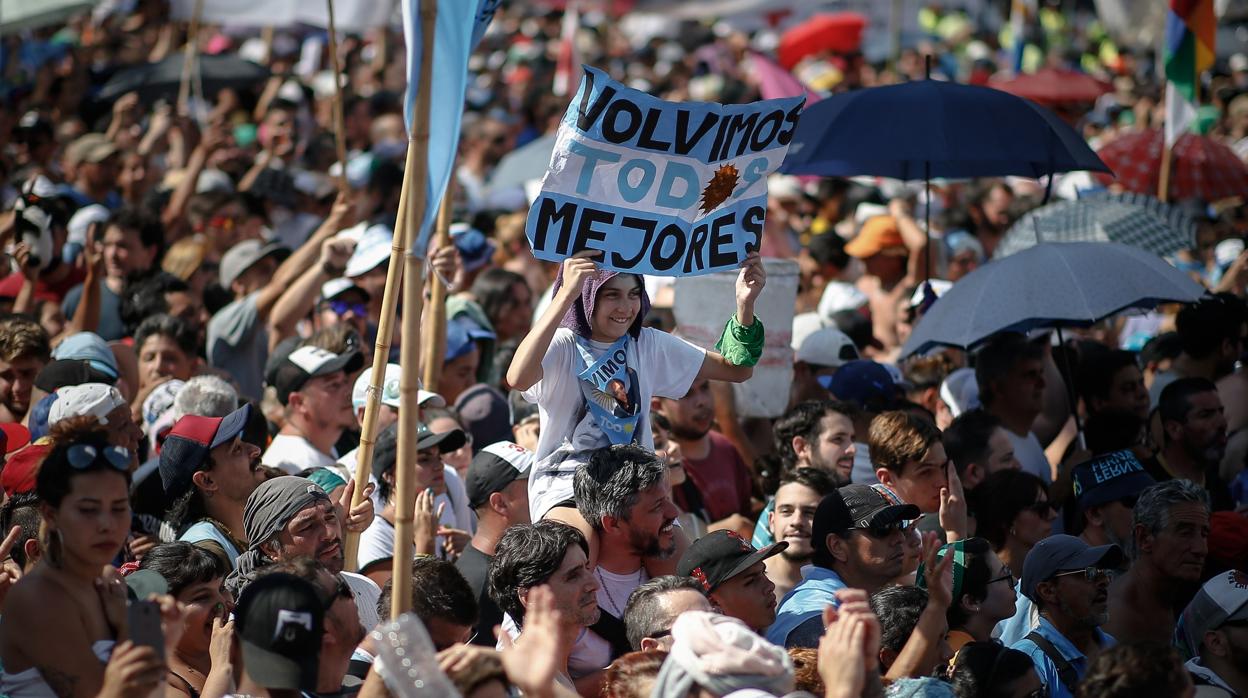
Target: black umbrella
x=163 y=78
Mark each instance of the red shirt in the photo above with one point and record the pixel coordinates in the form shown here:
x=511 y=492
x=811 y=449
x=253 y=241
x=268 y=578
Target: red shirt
x=722 y=478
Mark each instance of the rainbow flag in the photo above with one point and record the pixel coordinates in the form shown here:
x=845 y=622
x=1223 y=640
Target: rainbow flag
x=1190 y=37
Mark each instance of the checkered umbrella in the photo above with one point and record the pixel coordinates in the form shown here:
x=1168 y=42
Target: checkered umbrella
x=1132 y=219
x=1201 y=168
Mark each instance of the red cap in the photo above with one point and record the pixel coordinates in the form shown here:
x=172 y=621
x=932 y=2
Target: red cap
x=15 y=436
x=19 y=472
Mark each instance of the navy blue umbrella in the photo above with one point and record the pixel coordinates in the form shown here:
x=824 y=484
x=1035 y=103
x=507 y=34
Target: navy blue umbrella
x=927 y=128
x=1051 y=285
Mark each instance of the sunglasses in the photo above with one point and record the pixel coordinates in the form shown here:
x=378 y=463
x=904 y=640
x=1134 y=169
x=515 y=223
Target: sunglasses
x=83 y=456
x=341 y=591
x=1040 y=508
x=343 y=307
x=1091 y=574
x=881 y=532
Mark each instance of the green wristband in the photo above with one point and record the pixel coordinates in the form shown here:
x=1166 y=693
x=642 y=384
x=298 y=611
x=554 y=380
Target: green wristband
x=739 y=345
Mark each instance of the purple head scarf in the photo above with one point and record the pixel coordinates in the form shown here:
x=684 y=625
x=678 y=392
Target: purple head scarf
x=577 y=317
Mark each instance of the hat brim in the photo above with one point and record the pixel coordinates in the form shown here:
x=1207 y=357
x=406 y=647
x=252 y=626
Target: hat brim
x=892 y=514
x=59 y=373
x=753 y=559
x=231 y=426
x=1102 y=556
x=452 y=440
x=350 y=362
x=274 y=671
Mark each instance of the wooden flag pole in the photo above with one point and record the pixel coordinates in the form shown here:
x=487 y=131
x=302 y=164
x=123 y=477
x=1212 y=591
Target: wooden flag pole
x=433 y=332
x=340 y=138
x=1163 y=178
x=188 y=61
x=413 y=290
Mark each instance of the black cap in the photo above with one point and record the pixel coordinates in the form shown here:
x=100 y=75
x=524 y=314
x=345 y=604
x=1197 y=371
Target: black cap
x=386 y=449
x=721 y=555
x=62 y=372
x=280 y=622
x=309 y=362
x=855 y=506
x=495 y=467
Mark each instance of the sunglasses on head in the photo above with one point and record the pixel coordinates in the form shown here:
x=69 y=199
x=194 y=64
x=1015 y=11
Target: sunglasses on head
x=83 y=456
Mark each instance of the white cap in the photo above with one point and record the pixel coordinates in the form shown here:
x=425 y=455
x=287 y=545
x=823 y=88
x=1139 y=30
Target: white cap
x=390 y=390
x=838 y=296
x=214 y=180
x=372 y=249
x=960 y=391
x=82 y=221
x=804 y=325
x=336 y=287
x=827 y=347
x=94 y=399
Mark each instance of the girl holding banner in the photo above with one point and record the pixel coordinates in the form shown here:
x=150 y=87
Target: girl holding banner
x=592 y=369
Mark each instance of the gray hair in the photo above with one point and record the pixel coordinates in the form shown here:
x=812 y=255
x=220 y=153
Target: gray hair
x=1152 y=509
x=205 y=396
x=610 y=483
x=644 y=615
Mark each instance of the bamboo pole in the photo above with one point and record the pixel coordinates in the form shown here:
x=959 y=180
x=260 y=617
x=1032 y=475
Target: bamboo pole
x=340 y=138
x=1163 y=178
x=188 y=61
x=433 y=331
x=413 y=290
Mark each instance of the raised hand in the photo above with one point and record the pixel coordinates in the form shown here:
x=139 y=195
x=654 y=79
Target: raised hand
x=576 y=270
x=953 y=506
x=750 y=282
x=532 y=662
x=937 y=572
x=358 y=518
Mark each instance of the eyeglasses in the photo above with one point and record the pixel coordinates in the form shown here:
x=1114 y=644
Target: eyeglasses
x=343 y=307
x=83 y=456
x=1091 y=574
x=341 y=591
x=1006 y=575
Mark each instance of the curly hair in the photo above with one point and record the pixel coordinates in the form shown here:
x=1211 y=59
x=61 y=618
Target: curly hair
x=1125 y=671
x=22 y=338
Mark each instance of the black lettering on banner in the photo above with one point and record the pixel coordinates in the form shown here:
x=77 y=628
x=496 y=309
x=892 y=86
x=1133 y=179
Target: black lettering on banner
x=719 y=238
x=548 y=215
x=586 y=118
x=790 y=119
x=759 y=142
x=646 y=139
x=734 y=125
x=685 y=142
x=719 y=139
x=672 y=232
x=585 y=228
x=752 y=222
x=747 y=133
x=610 y=121
x=696 y=243
x=646 y=225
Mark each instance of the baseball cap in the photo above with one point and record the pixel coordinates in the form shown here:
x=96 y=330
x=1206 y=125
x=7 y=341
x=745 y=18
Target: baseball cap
x=89 y=347
x=372 y=249
x=827 y=347
x=311 y=362
x=94 y=399
x=861 y=382
x=475 y=249
x=189 y=442
x=19 y=472
x=856 y=506
x=495 y=467
x=336 y=287
x=82 y=220
x=721 y=555
x=386 y=449
x=279 y=620
x=90 y=147
x=243 y=256
x=38 y=422
x=15 y=436
x=1109 y=478
x=879 y=235
x=1062 y=552
x=140 y=584
x=1222 y=599
x=461 y=336
x=390 y=390
x=484 y=413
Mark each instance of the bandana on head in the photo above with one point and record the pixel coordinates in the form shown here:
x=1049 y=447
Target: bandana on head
x=578 y=316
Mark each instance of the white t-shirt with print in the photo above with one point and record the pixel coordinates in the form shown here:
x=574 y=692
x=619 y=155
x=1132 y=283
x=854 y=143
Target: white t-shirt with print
x=665 y=366
x=294 y=454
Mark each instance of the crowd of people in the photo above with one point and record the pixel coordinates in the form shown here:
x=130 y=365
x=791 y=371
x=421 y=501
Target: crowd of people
x=189 y=307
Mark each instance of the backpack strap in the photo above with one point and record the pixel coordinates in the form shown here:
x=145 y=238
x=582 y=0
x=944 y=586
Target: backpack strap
x=611 y=629
x=1065 y=672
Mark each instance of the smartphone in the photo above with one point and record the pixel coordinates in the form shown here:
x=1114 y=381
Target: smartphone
x=143 y=618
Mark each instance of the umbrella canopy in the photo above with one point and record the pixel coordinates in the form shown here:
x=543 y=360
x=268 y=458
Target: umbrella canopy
x=16 y=15
x=1072 y=284
x=1132 y=219
x=1201 y=168
x=1053 y=86
x=526 y=164
x=839 y=32
x=161 y=79
x=928 y=128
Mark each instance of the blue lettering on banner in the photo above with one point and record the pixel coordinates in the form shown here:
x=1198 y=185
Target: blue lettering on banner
x=666 y=188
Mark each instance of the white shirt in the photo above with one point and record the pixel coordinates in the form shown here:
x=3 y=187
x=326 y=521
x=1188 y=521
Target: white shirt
x=294 y=454
x=377 y=541
x=1031 y=454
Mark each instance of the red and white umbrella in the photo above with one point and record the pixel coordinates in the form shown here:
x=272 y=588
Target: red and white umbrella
x=1201 y=168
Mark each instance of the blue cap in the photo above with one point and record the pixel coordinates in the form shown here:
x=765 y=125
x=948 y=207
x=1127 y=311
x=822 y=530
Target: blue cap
x=1108 y=478
x=461 y=336
x=1063 y=553
x=39 y=416
x=89 y=347
x=861 y=382
x=475 y=249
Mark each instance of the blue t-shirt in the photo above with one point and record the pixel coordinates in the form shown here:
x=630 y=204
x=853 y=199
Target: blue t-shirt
x=206 y=530
x=111 y=327
x=807 y=600
x=1045 y=667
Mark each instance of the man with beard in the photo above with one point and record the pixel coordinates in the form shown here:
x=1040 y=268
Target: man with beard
x=1193 y=438
x=734 y=576
x=796 y=500
x=553 y=555
x=314 y=385
x=817 y=434
x=978 y=446
x=622 y=491
x=1105 y=492
x=1069 y=582
x=710 y=459
x=1169 y=545
x=289 y=517
x=1214 y=633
